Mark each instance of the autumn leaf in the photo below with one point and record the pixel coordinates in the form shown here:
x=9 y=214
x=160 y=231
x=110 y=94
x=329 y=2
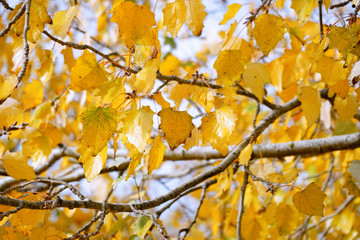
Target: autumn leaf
x=62 y=20
x=229 y=66
x=92 y=164
x=231 y=12
x=156 y=154
x=99 y=124
x=174 y=16
x=303 y=8
x=87 y=74
x=255 y=77
x=286 y=176
x=217 y=127
x=346 y=108
x=245 y=154
x=158 y=97
x=195 y=15
x=131 y=17
x=141 y=226
x=15 y=164
x=176 y=126
x=137 y=127
x=310 y=104
x=33 y=94
x=268 y=31
x=135 y=156
x=7 y=85
x=38 y=18
x=145 y=79
x=310 y=201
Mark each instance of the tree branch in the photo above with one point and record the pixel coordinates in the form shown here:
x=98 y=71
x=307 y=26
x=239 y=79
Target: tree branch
x=13 y=20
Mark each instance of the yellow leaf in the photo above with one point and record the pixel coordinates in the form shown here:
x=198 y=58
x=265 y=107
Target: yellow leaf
x=145 y=79
x=130 y=18
x=15 y=164
x=194 y=140
x=245 y=154
x=217 y=127
x=21 y=218
x=176 y=126
x=113 y=93
x=331 y=70
x=303 y=8
x=327 y=4
x=32 y=94
x=41 y=113
x=170 y=66
x=346 y=108
x=341 y=88
x=38 y=149
x=11 y=111
x=62 y=20
x=87 y=73
x=310 y=104
x=195 y=15
x=92 y=164
x=310 y=201
x=156 y=154
x=46 y=66
x=229 y=66
x=160 y=100
x=7 y=86
x=350 y=184
x=135 y=156
x=174 y=16
x=283 y=177
x=231 y=12
x=38 y=18
x=141 y=226
x=251 y=228
x=68 y=57
x=99 y=124
x=268 y=31
x=137 y=127
x=255 y=77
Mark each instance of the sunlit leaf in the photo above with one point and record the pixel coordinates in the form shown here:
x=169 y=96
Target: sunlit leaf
x=310 y=104
x=15 y=164
x=268 y=31
x=92 y=164
x=145 y=79
x=245 y=154
x=38 y=18
x=195 y=15
x=229 y=66
x=303 y=8
x=137 y=127
x=130 y=18
x=99 y=124
x=62 y=20
x=156 y=154
x=7 y=85
x=176 y=125
x=255 y=77
x=217 y=127
x=310 y=201
x=231 y=12
x=87 y=74
x=174 y=16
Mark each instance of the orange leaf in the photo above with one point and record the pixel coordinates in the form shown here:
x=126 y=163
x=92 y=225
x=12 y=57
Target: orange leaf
x=310 y=200
x=176 y=125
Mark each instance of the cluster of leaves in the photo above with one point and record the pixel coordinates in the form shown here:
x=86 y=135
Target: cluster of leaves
x=109 y=110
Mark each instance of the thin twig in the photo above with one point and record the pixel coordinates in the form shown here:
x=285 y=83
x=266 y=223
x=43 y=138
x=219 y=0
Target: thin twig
x=241 y=205
x=321 y=18
x=6 y=5
x=338 y=5
x=26 y=44
x=187 y=230
x=13 y=20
